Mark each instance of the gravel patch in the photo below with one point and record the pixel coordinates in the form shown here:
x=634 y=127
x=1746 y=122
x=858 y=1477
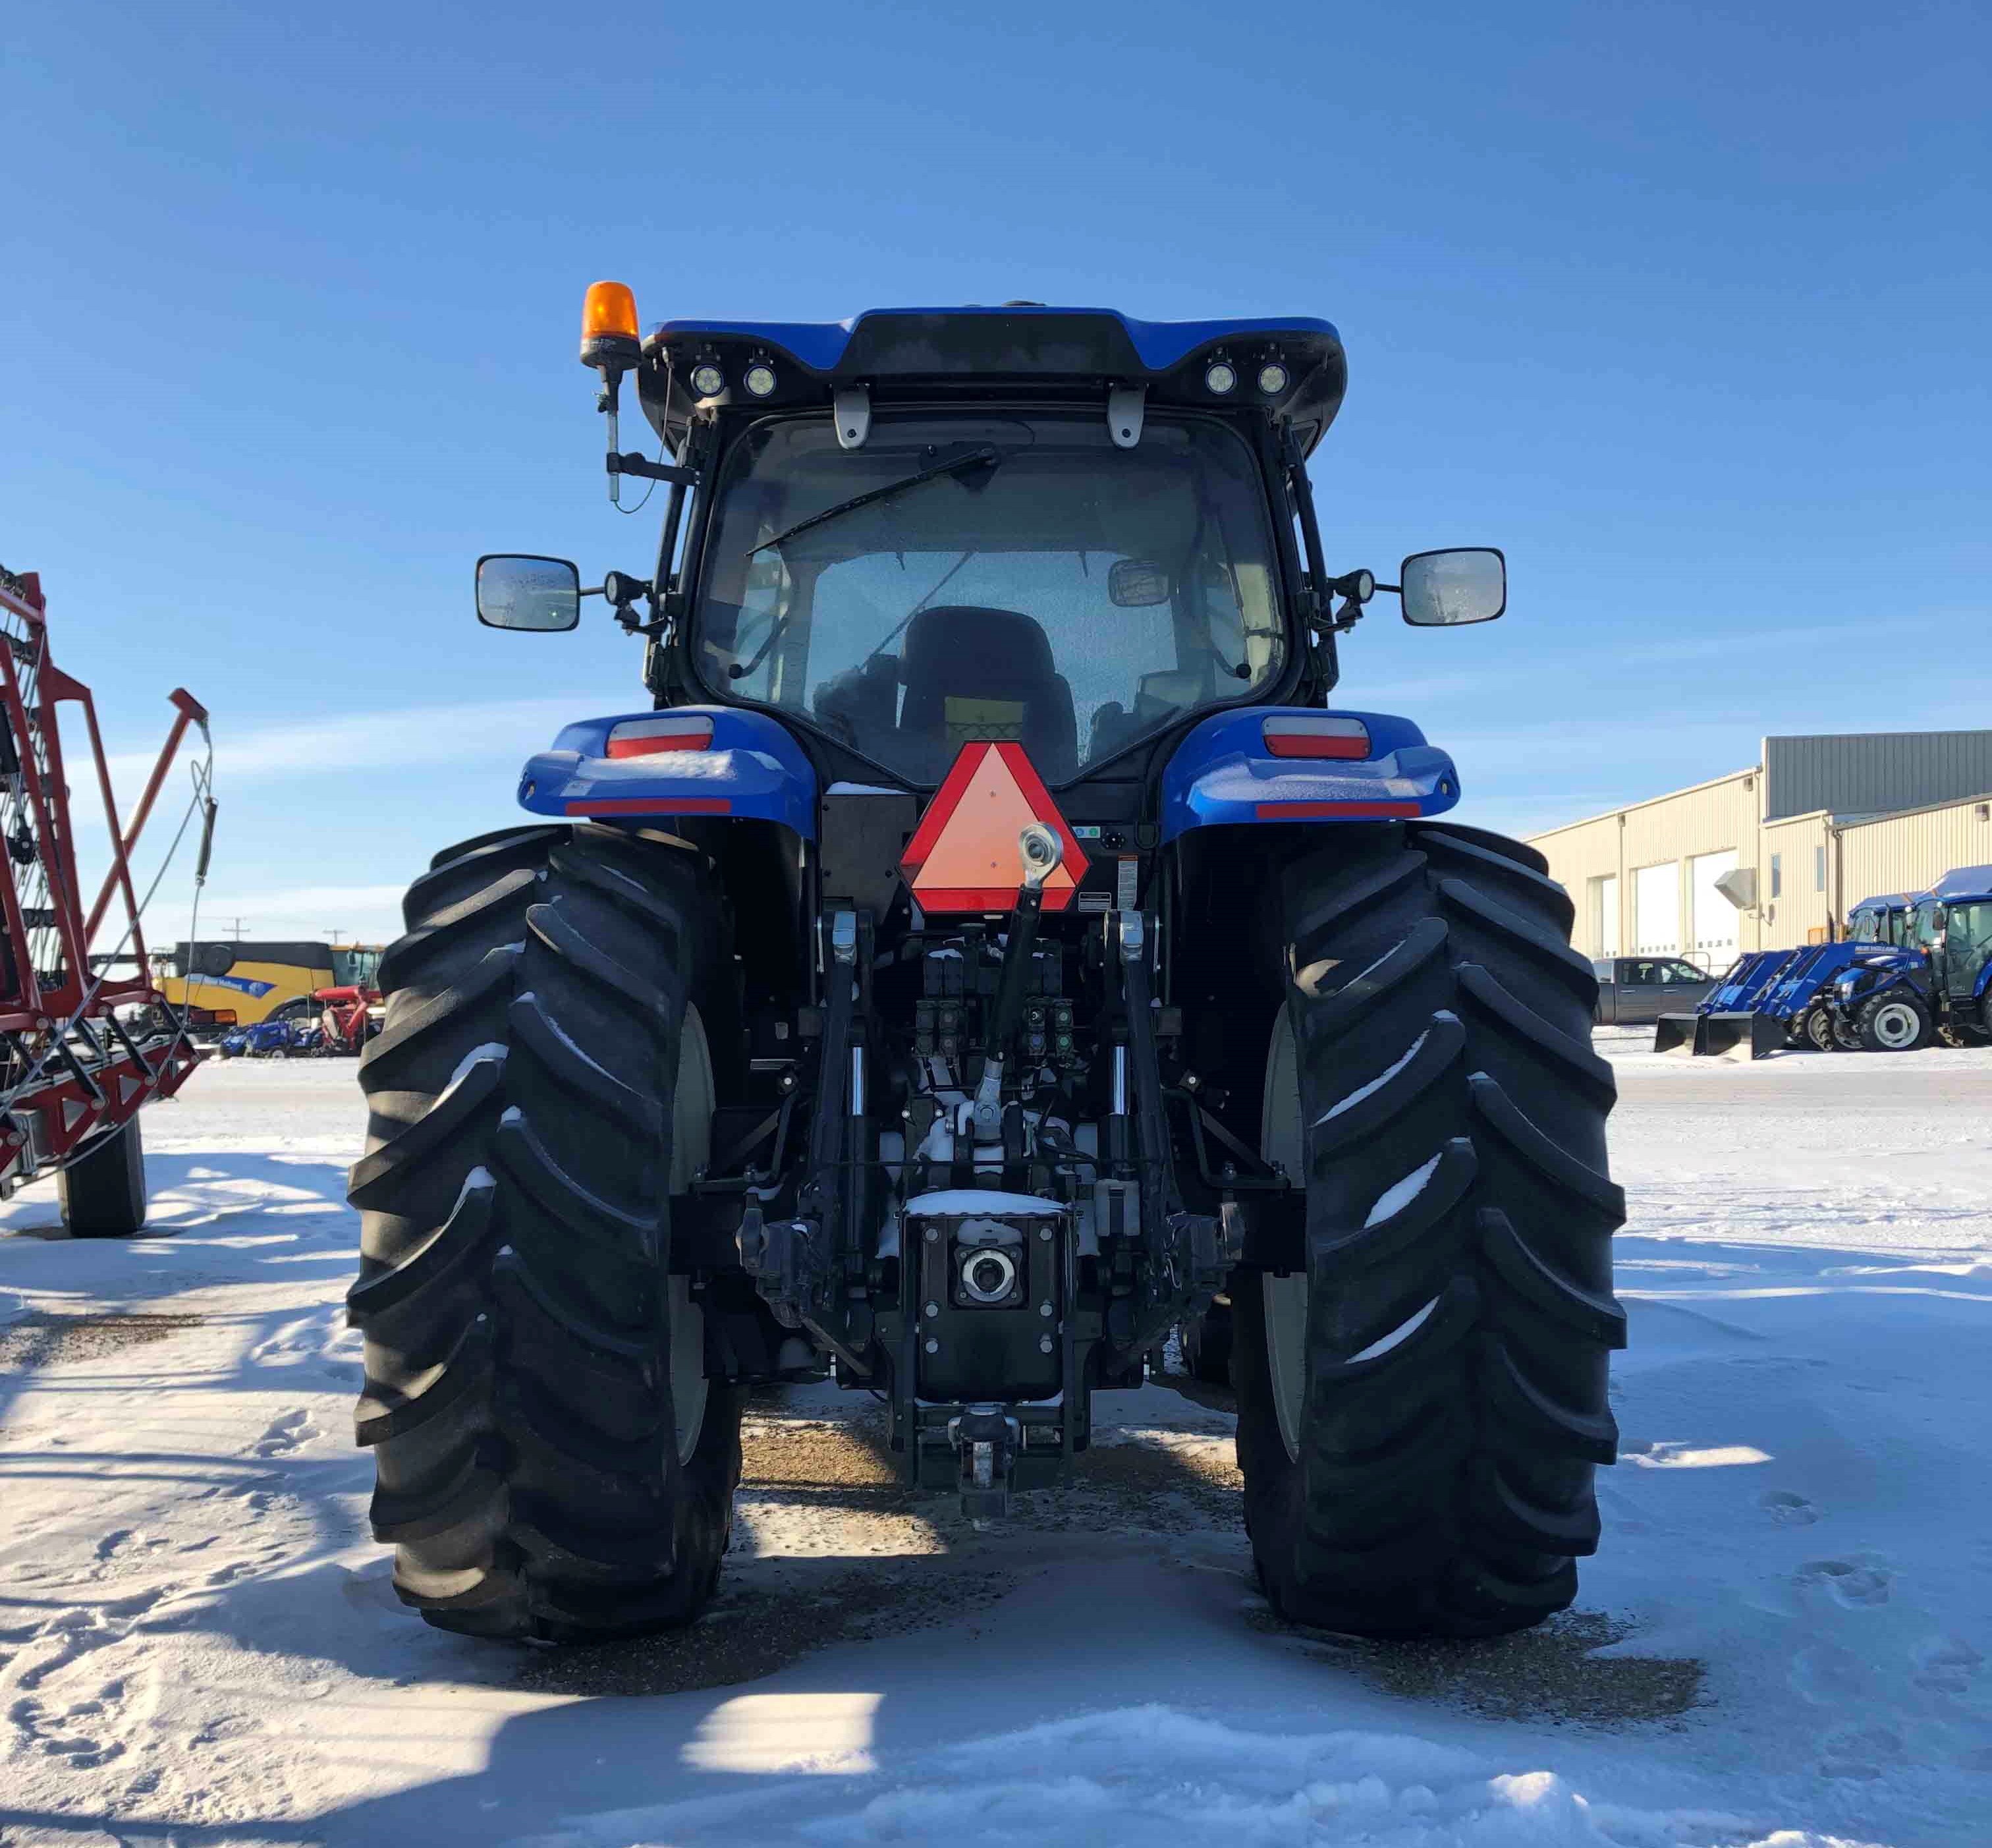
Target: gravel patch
x=768 y=1615
x=42 y=1338
x=1552 y=1673
x=831 y=1546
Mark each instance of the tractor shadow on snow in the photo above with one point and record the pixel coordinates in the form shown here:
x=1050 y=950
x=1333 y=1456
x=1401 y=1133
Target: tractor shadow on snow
x=236 y=1220
x=868 y=1599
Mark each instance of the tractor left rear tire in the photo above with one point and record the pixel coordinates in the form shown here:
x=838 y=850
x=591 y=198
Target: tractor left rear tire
x=103 y=1193
x=1422 y=1400
x=552 y=1462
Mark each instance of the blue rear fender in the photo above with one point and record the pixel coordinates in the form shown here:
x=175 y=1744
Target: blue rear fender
x=1224 y=773
x=752 y=771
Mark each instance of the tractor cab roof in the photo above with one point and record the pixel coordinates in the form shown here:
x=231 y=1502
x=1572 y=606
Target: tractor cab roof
x=1888 y=901
x=1963 y=884
x=1292 y=366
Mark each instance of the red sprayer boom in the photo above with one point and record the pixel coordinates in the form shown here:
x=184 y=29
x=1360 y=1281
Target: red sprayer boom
x=80 y=1050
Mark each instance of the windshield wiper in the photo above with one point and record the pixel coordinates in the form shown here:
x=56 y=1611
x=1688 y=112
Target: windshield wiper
x=740 y=670
x=987 y=456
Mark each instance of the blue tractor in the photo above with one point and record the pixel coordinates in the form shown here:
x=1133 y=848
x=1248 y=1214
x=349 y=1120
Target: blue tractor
x=1938 y=984
x=986 y=947
x=1774 y=1000
x=290 y=1037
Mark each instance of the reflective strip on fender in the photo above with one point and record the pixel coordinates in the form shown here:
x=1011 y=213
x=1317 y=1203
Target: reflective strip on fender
x=1347 y=811
x=652 y=805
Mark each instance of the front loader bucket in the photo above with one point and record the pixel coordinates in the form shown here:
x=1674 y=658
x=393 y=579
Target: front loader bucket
x=1740 y=1036
x=1678 y=1033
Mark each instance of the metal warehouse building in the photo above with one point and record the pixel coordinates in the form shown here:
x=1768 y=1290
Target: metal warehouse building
x=1774 y=856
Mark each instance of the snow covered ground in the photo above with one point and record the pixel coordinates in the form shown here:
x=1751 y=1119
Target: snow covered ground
x=198 y=1643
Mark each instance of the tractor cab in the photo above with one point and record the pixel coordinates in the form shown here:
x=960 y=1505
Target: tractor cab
x=1884 y=919
x=1959 y=947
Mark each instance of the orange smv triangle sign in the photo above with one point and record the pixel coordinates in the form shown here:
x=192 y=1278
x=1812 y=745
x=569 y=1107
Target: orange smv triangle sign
x=963 y=856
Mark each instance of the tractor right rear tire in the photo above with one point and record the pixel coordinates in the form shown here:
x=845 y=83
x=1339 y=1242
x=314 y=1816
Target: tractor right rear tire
x=1422 y=1406
x=552 y=1462
x=103 y=1194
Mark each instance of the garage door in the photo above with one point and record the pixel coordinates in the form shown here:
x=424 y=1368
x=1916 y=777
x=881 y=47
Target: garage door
x=1714 y=923
x=1656 y=909
x=1605 y=916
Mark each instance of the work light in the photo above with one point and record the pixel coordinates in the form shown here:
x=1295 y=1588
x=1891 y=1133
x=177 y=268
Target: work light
x=760 y=379
x=1220 y=377
x=707 y=379
x=1272 y=378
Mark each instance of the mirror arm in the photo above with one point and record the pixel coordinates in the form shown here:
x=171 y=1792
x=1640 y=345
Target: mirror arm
x=641 y=465
x=631 y=589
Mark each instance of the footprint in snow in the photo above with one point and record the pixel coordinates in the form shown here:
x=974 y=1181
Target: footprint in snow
x=1786 y=1509
x=75 y=1733
x=1852 y=1583
x=286 y=1434
x=1945 y=1665
x=293 y=1343
x=1862 y=1752
x=224 y=1727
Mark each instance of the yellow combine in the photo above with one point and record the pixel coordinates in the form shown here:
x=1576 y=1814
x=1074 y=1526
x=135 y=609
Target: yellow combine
x=261 y=980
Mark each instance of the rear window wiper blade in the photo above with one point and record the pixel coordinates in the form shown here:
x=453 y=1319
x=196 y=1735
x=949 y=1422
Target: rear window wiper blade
x=987 y=456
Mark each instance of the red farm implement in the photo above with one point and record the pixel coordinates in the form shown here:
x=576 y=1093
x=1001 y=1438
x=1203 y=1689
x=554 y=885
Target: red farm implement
x=82 y=1047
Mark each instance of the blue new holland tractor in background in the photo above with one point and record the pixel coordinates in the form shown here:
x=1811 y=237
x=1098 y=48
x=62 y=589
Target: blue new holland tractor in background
x=986 y=948
x=1770 y=1000
x=1891 y=985
x=1938 y=984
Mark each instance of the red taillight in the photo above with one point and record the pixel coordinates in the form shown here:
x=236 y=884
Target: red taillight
x=646 y=737
x=1323 y=737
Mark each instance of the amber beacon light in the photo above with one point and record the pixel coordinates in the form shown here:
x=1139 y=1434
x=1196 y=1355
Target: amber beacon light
x=609 y=327
x=608 y=344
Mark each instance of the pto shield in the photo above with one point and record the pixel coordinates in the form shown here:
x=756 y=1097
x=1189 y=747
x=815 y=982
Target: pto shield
x=963 y=856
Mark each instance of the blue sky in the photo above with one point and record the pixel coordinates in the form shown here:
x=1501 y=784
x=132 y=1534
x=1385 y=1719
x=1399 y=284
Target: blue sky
x=1686 y=307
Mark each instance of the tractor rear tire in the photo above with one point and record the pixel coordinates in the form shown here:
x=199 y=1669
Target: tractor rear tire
x=551 y=1462
x=1894 y=1023
x=1422 y=1410
x=102 y=1193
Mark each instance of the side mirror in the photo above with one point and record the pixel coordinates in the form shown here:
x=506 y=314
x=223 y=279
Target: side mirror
x=1443 y=590
x=515 y=591
x=1137 y=584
